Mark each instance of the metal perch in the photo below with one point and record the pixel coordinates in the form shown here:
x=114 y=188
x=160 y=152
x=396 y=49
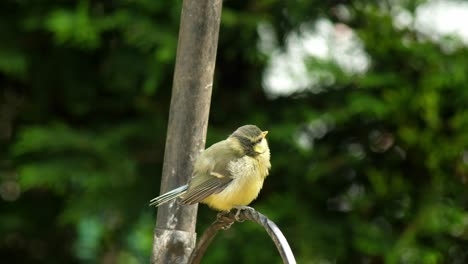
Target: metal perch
x=225 y=220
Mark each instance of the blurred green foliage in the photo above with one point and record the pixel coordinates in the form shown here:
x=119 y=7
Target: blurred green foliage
x=371 y=169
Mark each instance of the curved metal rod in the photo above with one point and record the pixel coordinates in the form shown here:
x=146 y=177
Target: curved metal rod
x=225 y=220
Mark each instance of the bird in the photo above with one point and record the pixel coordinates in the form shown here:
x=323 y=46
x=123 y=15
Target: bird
x=229 y=174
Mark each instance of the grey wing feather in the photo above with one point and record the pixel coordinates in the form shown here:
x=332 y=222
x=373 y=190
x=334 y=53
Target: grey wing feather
x=211 y=174
x=207 y=188
x=164 y=198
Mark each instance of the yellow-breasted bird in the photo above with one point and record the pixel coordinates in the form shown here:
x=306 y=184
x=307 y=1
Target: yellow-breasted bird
x=228 y=174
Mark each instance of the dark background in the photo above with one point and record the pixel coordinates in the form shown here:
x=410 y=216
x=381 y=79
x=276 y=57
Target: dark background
x=369 y=166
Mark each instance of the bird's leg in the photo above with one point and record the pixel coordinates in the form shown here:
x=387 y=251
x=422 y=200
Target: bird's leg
x=222 y=218
x=221 y=215
x=239 y=209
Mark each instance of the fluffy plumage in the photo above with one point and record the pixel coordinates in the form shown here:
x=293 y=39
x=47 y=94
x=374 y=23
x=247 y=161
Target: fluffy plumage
x=230 y=173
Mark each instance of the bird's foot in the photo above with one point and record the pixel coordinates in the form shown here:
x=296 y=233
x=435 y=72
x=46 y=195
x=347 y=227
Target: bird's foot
x=222 y=217
x=239 y=209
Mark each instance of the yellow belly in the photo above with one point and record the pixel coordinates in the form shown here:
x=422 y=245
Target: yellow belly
x=239 y=192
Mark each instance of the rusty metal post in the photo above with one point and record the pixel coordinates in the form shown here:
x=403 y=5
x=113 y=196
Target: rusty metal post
x=174 y=234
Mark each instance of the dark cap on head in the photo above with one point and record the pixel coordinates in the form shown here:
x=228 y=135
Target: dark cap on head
x=248 y=136
x=247 y=131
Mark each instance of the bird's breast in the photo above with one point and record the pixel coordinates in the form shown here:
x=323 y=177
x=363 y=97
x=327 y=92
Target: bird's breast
x=248 y=175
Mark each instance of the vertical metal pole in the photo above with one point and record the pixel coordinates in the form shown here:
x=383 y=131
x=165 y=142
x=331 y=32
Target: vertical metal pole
x=174 y=235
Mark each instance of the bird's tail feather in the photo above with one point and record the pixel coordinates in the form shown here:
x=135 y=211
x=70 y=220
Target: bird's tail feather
x=164 y=198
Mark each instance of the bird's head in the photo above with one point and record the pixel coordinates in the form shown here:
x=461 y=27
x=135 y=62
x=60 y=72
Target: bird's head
x=251 y=140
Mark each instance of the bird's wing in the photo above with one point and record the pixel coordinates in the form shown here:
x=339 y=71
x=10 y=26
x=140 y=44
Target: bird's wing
x=198 y=193
x=210 y=173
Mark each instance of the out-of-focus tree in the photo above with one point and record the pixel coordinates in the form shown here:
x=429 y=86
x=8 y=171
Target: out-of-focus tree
x=369 y=157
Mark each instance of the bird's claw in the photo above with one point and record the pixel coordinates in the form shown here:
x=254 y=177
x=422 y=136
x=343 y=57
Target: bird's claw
x=239 y=209
x=224 y=219
x=236 y=216
x=227 y=226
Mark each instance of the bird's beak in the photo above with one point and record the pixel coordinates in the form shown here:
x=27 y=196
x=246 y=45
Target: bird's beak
x=264 y=133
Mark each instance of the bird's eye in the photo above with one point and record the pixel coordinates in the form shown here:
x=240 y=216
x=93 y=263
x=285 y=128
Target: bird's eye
x=258 y=140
